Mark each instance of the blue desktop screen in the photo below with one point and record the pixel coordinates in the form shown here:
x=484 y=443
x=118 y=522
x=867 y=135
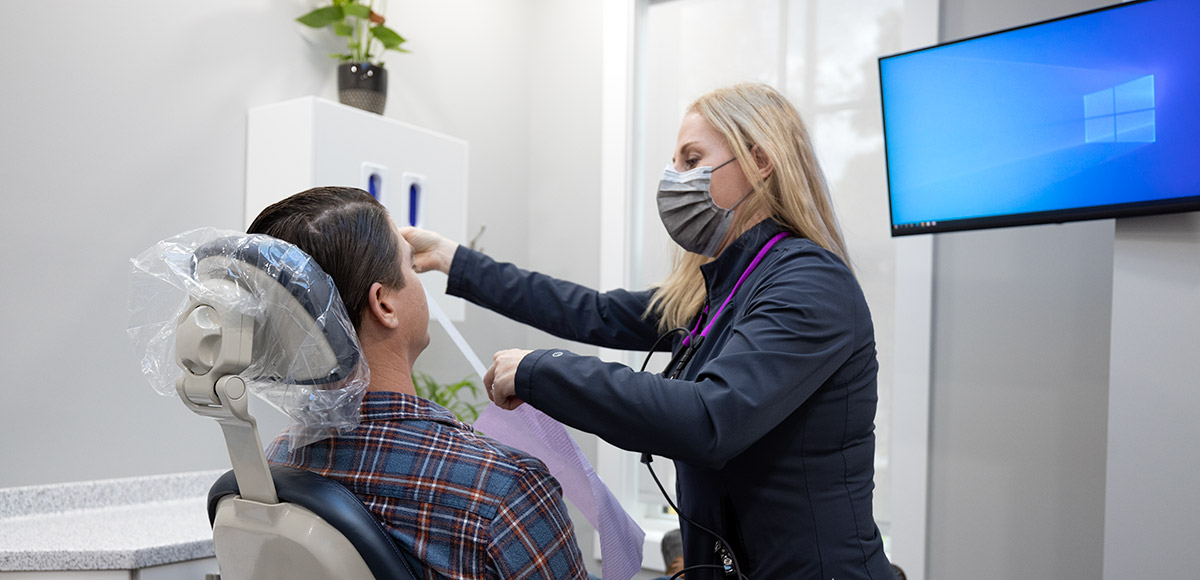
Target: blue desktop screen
x=1098 y=109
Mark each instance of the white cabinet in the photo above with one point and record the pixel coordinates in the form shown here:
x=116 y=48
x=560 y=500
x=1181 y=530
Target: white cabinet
x=189 y=570
x=420 y=175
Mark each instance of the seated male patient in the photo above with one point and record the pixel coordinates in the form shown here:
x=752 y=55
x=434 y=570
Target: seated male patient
x=464 y=505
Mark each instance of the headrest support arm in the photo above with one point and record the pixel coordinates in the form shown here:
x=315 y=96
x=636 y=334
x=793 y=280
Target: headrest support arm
x=212 y=346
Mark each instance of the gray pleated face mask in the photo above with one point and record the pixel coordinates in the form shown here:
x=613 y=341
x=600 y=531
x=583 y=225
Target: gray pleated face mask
x=687 y=209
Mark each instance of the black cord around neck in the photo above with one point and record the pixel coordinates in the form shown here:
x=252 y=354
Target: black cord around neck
x=646 y=459
x=658 y=341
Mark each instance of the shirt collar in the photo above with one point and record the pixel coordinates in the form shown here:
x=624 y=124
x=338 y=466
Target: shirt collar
x=393 y=406
x=723 y=272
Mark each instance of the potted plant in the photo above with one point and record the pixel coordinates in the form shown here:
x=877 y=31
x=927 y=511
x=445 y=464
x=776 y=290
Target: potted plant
x=453 y=396
x=362 y=80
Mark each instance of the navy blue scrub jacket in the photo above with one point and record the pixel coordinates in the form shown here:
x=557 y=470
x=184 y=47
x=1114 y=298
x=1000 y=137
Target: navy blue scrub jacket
x=771 y=424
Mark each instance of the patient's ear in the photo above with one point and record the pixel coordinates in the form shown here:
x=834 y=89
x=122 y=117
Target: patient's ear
x=382 y=305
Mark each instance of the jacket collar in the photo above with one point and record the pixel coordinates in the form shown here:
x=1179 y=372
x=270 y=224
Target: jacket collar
x=723 y=272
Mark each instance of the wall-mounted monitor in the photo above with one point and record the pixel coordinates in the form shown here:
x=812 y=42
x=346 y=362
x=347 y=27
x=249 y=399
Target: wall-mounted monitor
x=1089 y=116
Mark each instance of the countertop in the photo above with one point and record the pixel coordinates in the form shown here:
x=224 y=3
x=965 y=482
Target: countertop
x=116 y=524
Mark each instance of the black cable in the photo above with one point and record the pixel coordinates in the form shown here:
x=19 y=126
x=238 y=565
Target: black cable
x=647 y=459
x=728 y=549
x=695 y=567
x=658 y=341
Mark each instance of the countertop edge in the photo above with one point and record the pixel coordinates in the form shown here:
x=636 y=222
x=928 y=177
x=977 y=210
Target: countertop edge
x=77 y=560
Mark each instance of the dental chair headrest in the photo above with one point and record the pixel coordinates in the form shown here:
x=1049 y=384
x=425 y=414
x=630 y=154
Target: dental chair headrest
x=300 y=294
x=305 y=358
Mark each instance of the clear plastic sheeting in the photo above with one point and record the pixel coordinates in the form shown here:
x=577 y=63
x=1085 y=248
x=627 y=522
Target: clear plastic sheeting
x=305 y=359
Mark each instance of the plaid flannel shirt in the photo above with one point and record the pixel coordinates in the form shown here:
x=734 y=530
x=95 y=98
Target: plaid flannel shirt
x=464 y=505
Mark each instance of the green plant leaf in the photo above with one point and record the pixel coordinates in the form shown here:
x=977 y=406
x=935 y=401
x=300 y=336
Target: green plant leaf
x=357 y=10
x=321 y=17
x=449 y=395
x=342 y=29
x=389 y=38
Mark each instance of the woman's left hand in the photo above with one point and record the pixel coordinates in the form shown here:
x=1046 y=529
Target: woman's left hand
x=501 y=379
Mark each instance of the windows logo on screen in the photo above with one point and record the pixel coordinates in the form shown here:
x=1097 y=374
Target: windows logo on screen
x=1122 y=114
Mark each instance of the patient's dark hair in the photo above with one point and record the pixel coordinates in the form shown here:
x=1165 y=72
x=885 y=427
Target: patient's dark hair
x=347 y=232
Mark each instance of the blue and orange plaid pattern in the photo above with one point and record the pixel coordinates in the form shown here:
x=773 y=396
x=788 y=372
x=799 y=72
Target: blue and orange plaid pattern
x=466 y=506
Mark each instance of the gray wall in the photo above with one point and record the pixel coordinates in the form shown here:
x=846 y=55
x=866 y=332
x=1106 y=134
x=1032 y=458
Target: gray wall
x=1019 y=402
x=1153 y=453
x=1019 y=395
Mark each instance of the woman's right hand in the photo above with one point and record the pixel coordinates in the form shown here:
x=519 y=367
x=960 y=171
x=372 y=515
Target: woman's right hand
x=431 y=251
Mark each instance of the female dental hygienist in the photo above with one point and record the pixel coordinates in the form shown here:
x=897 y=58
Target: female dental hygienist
x=767 y=406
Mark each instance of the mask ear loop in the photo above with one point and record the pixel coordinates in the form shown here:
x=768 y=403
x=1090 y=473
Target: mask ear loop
x=714 y=170
x=744 y=198
x=739 y=202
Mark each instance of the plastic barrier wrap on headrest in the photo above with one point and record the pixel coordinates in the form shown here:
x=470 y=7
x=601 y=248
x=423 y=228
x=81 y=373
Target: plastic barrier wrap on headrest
x=306 y=360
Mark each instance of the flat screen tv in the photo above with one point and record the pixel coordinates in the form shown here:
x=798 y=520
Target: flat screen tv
x=1089 y=116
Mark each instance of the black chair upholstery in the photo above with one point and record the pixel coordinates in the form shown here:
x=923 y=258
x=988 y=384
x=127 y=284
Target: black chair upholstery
x=336 y=505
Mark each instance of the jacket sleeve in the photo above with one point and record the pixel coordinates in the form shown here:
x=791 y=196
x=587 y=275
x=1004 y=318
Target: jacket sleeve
x=798 y=328
x=566 y=310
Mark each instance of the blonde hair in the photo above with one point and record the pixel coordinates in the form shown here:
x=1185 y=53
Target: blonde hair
x=794 y=194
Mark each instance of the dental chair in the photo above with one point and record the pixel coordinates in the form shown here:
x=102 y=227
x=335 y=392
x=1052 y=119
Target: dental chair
x=276 y=522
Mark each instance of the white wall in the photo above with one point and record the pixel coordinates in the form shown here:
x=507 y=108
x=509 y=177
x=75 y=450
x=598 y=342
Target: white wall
x=127 y=125
x=124 y=123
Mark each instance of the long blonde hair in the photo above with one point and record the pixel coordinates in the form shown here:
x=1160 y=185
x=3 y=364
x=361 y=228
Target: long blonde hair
x=795 y=194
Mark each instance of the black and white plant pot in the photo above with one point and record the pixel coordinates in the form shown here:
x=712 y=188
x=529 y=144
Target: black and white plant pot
x=362 y=85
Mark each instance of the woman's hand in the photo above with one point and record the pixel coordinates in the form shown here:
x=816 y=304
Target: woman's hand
x=501 y=379
x=431 y=251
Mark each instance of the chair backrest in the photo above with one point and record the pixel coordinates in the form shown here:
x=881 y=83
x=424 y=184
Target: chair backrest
x=318 y=530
